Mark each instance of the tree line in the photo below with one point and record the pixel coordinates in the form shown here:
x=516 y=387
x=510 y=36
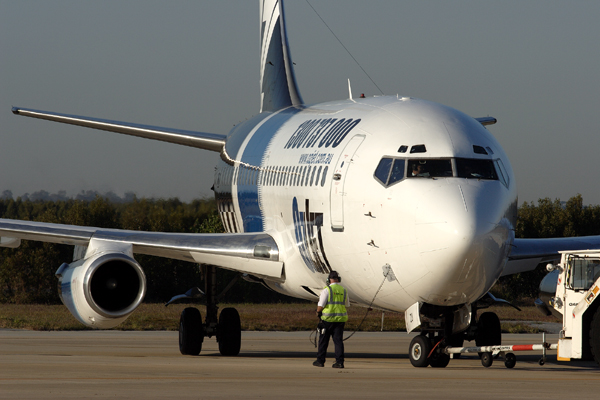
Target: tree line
x=27 y=273
x=546 y=219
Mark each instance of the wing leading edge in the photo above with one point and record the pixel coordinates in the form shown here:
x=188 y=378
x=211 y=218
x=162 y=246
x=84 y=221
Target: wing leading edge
x=528 y=253
x=252 y=253
x=201 y=140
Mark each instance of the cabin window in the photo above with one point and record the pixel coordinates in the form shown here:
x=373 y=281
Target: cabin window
x=307 y=176
x=302 y=176
x=318 y=175
x=475 y=169
x=324 y=176
x=292 y=173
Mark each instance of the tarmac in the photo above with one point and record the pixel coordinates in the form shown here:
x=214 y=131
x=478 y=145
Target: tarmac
x=148 y=365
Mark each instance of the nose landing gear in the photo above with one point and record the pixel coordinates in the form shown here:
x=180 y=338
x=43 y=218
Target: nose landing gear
x=426 y=350
x=429 y=348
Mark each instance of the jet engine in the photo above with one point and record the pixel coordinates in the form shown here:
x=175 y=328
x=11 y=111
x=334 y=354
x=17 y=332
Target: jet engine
x=545 y=303
x=102 y=290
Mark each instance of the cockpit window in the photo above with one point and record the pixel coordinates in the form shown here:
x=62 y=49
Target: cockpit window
x=391 y=169
x=383 y=169
x=429 y=168
x=475 y=169
x=397 y=173
x=479 y=150
x=418 y=148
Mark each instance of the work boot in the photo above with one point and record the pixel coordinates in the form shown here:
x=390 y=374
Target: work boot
x=319 y=364
x=337 y=365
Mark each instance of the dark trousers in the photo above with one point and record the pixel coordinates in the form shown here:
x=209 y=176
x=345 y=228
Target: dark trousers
x=335 y=330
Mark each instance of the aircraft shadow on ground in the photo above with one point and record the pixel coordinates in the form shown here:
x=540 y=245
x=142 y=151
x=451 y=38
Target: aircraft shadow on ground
x=305 y=354
x=527 y=361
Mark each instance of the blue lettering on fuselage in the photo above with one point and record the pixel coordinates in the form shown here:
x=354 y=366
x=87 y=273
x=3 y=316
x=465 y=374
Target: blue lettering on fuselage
x=315 y=158
x=321 y=132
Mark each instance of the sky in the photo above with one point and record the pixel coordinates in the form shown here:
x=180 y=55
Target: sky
x=534 y=65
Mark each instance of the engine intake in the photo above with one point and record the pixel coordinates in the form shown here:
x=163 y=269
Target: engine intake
x=103 y=290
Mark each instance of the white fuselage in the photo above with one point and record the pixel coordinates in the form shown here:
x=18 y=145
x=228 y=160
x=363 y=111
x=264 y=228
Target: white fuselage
x=307 y=176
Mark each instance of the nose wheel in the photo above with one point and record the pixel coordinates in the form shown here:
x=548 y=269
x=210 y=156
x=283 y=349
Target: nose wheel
x=419 y=350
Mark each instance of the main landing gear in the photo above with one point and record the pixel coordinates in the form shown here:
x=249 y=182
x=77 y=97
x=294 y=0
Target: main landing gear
x=227 y=327
x=427 y=349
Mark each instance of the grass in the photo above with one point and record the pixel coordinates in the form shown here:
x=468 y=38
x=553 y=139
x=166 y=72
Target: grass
x=255 y=317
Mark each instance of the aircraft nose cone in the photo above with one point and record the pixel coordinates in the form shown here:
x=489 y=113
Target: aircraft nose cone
x=463 y=239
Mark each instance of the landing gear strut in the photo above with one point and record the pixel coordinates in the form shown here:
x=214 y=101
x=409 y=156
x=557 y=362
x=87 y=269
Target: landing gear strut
x=226 y=327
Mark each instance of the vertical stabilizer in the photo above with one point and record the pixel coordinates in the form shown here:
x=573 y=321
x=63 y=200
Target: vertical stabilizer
x=278 y=88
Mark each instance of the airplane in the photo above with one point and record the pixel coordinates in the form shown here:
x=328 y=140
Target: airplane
x=414 y=203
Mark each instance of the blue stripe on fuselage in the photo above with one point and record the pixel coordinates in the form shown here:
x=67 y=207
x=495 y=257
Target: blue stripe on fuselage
x=253 y=155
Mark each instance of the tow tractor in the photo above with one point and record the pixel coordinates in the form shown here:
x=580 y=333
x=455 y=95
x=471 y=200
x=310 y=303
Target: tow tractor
x=569 y=292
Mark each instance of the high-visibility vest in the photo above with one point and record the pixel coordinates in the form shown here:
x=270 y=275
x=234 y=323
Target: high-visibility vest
x=335 y=309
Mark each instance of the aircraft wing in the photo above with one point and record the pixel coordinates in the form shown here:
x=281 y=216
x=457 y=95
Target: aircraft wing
x=201 y=140
x=528 y=253
x=253 y=253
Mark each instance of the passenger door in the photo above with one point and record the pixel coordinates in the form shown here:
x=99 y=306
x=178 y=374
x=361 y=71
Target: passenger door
x=338 y=181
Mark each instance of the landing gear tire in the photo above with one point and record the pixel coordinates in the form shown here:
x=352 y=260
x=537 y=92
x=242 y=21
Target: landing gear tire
x=229 y=332
x=510 y=360
x=489 y=332
x=439 y=360
x=594 y=342
x=191 y=334
x=418 y=351
x=487 y=359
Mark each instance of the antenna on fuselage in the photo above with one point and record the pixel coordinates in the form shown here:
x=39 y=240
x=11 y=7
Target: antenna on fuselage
x=349 y=90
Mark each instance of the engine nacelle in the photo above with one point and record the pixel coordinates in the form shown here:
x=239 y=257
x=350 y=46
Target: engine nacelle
x=103 y=290
x=547 y=294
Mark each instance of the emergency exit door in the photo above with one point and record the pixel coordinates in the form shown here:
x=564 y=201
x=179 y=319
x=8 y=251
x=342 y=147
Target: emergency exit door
x=340 y=172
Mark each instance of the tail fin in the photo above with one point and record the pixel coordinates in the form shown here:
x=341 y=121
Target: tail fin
x=277 y=81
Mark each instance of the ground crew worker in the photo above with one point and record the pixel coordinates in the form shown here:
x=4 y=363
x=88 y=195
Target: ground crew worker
x=331 y=309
